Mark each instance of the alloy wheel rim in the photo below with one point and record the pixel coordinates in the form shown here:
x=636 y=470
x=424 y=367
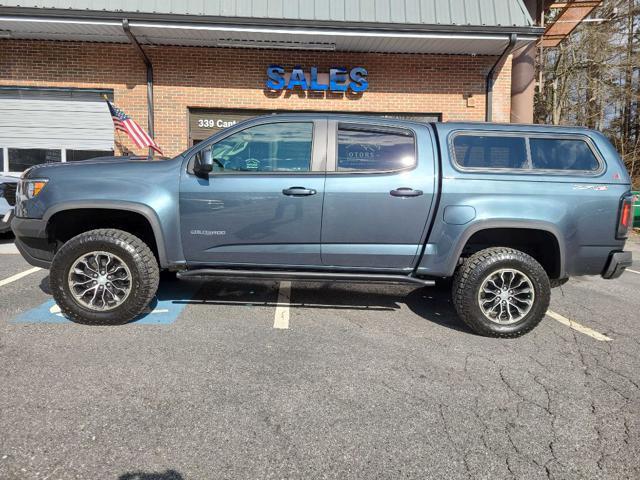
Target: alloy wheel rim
x=100 y=281
x=506 y=296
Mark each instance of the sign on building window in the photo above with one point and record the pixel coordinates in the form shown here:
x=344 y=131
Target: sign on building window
x=204 y=122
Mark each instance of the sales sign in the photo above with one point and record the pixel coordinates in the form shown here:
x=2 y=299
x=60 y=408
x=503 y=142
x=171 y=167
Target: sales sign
x=338 y=79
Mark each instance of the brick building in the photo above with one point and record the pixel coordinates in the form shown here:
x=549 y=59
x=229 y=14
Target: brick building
x=186 y=69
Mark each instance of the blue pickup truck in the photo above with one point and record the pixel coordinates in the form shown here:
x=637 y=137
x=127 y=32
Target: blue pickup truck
x=505 y=211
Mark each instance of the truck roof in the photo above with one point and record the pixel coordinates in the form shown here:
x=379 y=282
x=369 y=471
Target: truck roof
x=441 y=126
x=511 y=127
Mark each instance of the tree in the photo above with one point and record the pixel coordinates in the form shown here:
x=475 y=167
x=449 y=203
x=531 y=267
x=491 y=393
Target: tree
x=593 y=79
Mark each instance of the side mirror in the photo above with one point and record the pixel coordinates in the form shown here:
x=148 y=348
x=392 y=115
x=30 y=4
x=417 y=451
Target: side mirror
x=204 y=163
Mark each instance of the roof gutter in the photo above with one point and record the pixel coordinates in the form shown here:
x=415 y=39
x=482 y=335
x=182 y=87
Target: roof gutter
x=513 y=39
x=149 y=65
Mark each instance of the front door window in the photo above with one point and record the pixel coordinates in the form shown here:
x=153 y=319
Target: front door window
x=274 y=147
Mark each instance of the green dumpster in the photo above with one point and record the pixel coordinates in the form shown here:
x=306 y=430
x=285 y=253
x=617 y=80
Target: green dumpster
x=636 y=209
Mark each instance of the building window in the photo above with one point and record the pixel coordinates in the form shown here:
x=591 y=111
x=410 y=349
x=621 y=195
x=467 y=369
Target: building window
x=79 y=155
x=19 y=159
x=363 y=149
x=490 y=151
x=273 y=147
x=562 y=154
x=22 y=158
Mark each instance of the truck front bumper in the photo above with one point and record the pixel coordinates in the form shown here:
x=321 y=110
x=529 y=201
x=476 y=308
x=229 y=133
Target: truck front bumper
x=618 y=261
x=32 y=241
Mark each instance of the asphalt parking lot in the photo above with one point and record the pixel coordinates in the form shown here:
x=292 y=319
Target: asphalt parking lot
x=268 y=380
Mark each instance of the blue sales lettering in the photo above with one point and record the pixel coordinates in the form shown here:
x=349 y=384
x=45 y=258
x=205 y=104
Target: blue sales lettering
x=340 y=79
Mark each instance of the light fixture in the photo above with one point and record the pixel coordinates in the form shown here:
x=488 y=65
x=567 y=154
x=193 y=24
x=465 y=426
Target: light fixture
x=279 y=44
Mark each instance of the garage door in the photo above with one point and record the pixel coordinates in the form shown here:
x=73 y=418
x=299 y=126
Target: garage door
x=40 y=126
x=204 y=122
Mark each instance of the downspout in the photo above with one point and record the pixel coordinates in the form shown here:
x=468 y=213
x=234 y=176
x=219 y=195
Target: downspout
x=149 y=65
x=513 y=38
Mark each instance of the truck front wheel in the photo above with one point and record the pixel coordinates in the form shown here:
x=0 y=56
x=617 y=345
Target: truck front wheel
x=501 y=292
x=104 y=277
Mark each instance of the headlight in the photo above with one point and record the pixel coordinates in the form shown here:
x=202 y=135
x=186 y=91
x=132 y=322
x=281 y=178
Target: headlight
x=31 y=188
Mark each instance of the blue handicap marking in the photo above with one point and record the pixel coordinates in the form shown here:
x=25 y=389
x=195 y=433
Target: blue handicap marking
x=48 y=312
x=165 y=309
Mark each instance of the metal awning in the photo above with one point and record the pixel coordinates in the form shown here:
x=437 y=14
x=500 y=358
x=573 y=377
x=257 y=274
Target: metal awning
x=480 y=27
x=345 y=13
x=437 y=40
x=572 y=13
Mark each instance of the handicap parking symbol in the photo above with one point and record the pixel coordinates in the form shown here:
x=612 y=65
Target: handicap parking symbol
x=165 y=309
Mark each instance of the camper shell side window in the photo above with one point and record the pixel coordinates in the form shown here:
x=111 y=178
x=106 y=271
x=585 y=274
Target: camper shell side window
x=525 y=153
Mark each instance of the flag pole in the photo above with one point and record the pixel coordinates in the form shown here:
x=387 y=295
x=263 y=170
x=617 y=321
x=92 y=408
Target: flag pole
x=115 y=131
x=123 y=122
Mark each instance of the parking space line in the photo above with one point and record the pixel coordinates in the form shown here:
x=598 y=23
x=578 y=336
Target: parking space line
x=632 y=271
x=281 y=320
x=578 y=328
x=18 y=276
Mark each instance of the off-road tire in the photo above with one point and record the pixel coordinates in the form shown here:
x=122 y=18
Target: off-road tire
x=468 y=280
x=133 y=251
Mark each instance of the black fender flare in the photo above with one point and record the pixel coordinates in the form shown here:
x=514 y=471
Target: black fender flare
x=515 y=224
x=139 y=208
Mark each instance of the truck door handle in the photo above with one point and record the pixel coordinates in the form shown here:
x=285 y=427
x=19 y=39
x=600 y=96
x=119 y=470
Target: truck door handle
x=405 y=192
x=299 y=191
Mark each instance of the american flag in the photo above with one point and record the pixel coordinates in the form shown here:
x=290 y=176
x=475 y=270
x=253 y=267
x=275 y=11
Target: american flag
x=126 y=124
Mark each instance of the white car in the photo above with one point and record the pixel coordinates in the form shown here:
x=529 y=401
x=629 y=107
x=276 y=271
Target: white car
x=8 y=186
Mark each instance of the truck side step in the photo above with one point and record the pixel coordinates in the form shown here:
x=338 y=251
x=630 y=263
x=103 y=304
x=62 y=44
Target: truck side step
x=204 y=273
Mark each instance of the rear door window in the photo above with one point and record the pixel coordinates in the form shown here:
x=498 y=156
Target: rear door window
x=562 y=154
x=490 y=151
x=374 y=149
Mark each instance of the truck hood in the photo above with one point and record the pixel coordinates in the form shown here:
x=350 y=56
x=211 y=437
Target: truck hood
x=106 y=181
x=105 y=165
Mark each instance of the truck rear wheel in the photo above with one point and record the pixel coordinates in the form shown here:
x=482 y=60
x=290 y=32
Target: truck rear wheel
x=501 y=292
x=104 y=277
